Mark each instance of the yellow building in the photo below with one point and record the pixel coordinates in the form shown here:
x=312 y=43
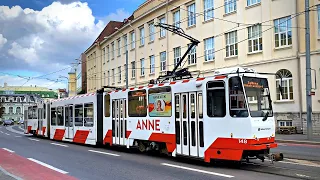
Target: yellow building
x=265 y=35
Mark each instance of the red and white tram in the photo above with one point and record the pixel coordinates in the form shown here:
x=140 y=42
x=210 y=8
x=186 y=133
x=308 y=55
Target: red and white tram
x=227 y=116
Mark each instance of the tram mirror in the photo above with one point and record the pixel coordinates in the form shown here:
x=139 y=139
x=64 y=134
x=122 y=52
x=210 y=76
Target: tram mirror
x=280 y=90
x=235 y=83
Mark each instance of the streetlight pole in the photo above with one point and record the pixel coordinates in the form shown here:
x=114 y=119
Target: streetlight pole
x=308 y=72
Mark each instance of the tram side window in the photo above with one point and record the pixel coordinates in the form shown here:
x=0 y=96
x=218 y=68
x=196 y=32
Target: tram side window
x=53 y=117
x=29 y=112
x=78 y=119
x=137 y=103
x=70 y=116
x=177 y=100
x=160 y=102
x=88 y=115
x=238 y=106
x=107 y=105
x=60 y=119
x=216 y=99
x=200 y=105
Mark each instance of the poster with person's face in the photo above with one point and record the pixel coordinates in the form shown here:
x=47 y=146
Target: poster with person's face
x=160 y=104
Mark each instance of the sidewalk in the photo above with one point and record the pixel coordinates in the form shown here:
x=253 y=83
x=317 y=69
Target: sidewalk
x=297 y=138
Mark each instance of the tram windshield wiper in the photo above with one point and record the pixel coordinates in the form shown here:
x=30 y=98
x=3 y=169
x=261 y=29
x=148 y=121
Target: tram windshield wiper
x=265 y=116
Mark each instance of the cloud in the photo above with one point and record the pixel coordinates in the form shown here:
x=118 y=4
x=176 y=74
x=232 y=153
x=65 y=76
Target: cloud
x=3 y=41
x=49 y=39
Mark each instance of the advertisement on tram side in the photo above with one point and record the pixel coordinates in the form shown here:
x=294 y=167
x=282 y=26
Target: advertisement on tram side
x=160 y=105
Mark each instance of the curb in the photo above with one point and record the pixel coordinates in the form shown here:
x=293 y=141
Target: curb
x=297 y=142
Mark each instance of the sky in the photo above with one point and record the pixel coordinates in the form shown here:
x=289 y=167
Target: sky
x=40 y=39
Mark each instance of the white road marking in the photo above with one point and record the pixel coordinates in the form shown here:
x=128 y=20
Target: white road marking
x=33 y=139
x=7 y=134
x=100 y=152
x=301 y=162
x=48 y=166
x=197 y=170
x=10 y=128
x=17 y=136
x=59 y=144
x=8 y=150
x=302 y=175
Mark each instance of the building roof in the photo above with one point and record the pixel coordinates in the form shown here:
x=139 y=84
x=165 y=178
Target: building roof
x=110 y=29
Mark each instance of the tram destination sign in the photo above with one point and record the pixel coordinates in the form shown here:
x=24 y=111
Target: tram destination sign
x=258 y=83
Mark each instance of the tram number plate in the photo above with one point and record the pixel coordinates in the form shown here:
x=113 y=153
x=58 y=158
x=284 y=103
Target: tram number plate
x=243 y=141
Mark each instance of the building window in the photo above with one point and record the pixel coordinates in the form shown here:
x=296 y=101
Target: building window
x=176 y=55
x=113 y=77
x=142 y=67
x=133 y=69
x=141 y=36
x=176 y=18
x=231 y=44
x=152 y=64
x=151 y=32
x=112 y=50
x=283 y=32
x=104 y=55
x=10 y=110
x=108 y=51
x=119 y=47
x=163 y=59
x=133 y=39
x=318 y=20
x=252 y=2
x=230 y=6
x=125 y=71
x=192 y=56
x=18 y=110
x=255 y=38
x=125 y=39
x=162 y=31
x=208 y=10
x=284 y=123
x=287 y=85
x=191 y=15
x=108 y=78
x=209 y=49
x=119 y=70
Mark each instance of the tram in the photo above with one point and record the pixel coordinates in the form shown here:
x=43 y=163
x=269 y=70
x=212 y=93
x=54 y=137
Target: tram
x=228 y=116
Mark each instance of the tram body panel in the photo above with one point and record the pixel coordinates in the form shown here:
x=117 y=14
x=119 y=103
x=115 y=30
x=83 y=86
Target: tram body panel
x=74 y=119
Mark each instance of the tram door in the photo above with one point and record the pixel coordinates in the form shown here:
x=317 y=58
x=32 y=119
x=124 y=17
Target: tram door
x=119 y=121
x=189 y=124
x=69 y=122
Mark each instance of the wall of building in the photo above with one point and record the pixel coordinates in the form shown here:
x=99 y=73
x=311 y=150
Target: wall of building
x=270 y=58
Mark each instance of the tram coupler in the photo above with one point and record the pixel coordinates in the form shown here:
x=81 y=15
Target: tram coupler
x=276 y=157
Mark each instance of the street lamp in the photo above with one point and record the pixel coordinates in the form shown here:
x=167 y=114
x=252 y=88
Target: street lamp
x=67 y=83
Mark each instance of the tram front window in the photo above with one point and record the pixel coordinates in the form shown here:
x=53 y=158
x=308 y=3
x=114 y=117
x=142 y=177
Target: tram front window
x=258 y=96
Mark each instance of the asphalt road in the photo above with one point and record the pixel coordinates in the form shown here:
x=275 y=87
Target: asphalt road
x=88 y=162
x=299 y=151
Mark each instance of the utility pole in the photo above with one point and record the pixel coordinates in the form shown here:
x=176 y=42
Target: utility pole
x=308 y=72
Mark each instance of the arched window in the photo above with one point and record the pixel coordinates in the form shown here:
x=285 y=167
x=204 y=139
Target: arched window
x=18 y=110
x=10 y=109
x=287 y=85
